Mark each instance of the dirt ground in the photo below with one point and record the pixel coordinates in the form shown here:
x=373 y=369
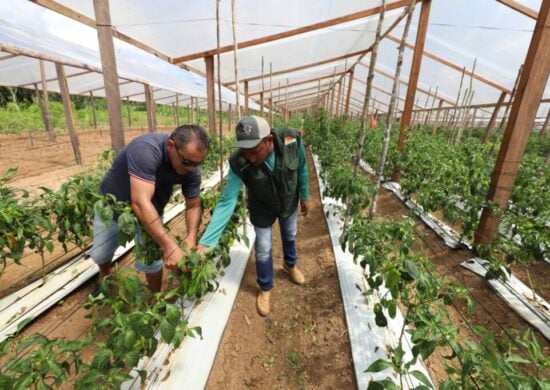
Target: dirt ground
x=303 y=343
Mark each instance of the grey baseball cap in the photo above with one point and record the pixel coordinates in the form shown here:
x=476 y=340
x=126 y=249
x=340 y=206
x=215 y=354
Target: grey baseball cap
x=250 y=130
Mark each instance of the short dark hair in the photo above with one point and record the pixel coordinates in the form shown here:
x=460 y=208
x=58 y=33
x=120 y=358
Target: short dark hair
x=188 y=133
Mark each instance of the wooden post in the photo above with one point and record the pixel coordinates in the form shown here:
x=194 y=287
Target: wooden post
x=544 y=128
x=149 y=106
x=236 y=65
x=110 y=74
x=66 y=97
x=493 y=119
x=128 y=111
x=350 y=84
x=339 y=98
x=177 y=110
x=331 y=108
x=94 y=114
x=522 y=116
x=229 y=117
x=45 y=106
x=270 y=111
x=246 y=111
x=262 y=104
x=210 y=94
x=413 y=78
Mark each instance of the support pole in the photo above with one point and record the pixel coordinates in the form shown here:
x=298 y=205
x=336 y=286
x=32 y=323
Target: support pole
x=45 y=106
x=94 y=114
x=210 y=94
x=348 y=96
x=493 y=119
x=66 y=97
x=246 y=111
x=110 y=74
x=149 y=106
x=177 y=111
x=522 y=116
x=128 y=112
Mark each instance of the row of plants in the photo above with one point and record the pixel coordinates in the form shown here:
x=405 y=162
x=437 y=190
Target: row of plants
x=64 y=215
x=387 y=250
x=454 y=179
x=19 y=117
x=126 y=314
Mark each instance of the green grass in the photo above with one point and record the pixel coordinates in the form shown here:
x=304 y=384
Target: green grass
x=24 y=118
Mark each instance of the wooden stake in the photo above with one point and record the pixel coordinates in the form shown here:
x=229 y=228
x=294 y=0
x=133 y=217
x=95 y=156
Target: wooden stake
x=128 y=112
x=45 y=106
x=493 y=119
x=235 y=61
x=66 y=97
x=177 y=111
x=94 y=114
x=149 y=107
x=408 y=108
x=110 y=73
x=210 y=94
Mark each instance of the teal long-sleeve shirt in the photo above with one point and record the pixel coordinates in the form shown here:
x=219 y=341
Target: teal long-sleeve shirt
x=228 y=200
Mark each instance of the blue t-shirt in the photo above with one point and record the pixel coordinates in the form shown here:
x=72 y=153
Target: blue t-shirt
x=146 y=158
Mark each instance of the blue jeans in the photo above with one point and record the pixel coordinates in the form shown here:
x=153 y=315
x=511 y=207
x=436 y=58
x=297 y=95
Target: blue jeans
x=264 y=253
x=105 y=243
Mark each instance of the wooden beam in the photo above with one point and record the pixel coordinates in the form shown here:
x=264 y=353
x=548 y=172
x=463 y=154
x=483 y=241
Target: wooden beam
x=8 y=56
x=403 y=82
x=70 y=13
x=493 y=119
x=384 y=92
x=66 y=98
x=210 y=93
x=455 y=66
x=296 y=83
x=360 y=54
x=522 y=9
x=27 y=85
x=290 y=33
x=110 y=72
x=302 y=67
x=20 y=51
x=522 y=116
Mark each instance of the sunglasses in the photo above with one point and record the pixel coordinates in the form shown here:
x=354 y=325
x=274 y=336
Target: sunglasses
x=186 y=162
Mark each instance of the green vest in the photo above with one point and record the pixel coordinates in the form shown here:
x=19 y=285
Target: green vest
x=271 y=194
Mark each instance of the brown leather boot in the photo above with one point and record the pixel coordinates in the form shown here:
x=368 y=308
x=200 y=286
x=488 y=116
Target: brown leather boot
x=262 y=302
x=295 y=275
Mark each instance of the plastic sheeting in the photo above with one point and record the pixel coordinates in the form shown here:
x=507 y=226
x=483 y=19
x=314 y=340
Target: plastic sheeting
x=485 y=32
x=40 y=33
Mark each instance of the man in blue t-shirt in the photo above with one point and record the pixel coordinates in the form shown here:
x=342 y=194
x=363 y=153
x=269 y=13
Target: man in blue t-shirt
x=144 y=173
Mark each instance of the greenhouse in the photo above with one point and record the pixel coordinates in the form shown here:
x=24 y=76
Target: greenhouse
x=402 y=147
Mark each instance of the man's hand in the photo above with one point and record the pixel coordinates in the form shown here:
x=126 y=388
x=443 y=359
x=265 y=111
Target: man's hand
x=172 y=256
x=202 y=248
x=304 y=207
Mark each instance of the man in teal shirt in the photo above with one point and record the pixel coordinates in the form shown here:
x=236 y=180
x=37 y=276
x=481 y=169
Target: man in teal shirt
x=273 y=166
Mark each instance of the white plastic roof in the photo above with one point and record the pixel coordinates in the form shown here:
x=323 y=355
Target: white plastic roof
x=31 y=29
x=486 y=32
